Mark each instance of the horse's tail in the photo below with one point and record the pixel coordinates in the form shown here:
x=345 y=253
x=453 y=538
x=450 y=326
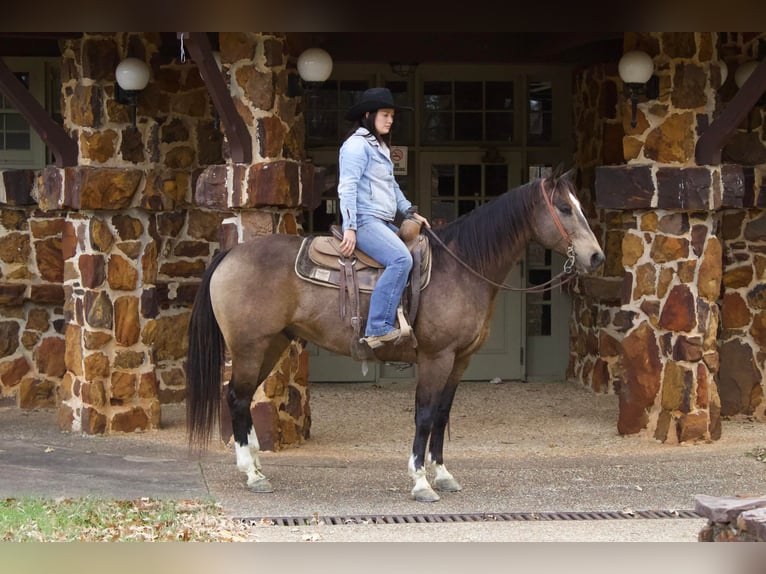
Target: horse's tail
x=204 y=360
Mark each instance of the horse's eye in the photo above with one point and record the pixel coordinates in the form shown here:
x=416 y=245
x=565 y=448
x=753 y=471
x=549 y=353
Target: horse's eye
x=566 y=209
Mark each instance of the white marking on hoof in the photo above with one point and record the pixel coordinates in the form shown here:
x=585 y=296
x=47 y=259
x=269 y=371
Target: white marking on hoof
x=255 y=447
x=422 y=491
x=247 y=462
x=444 y=480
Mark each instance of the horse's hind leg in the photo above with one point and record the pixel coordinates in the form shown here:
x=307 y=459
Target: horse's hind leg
x=248 y=372
x=245 y=440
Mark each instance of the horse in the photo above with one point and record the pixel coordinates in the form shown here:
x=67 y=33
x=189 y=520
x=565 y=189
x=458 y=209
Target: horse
x=251 y=302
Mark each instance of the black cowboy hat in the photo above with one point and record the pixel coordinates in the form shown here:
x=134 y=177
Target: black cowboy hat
x=371 y=100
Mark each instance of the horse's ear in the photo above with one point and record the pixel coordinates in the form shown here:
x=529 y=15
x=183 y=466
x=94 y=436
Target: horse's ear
x=569 y=174
x=559 y=174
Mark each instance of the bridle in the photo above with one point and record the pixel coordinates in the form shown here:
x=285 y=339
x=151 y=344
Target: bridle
x=566 y=275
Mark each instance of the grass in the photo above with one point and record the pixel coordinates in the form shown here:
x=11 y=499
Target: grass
x=33 y=519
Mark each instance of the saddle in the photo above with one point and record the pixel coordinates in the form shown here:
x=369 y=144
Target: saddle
x=320 y=261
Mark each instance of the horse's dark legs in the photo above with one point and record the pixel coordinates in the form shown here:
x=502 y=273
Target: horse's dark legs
x=432 y=378
x=444 y=481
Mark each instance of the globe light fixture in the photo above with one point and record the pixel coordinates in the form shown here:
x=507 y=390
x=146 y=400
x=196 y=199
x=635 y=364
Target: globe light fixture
x=132 y=76
x=636 y=70
x=314 y=66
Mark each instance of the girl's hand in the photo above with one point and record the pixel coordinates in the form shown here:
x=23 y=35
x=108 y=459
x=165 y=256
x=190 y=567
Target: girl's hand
x=348 y=244
x=420 y=219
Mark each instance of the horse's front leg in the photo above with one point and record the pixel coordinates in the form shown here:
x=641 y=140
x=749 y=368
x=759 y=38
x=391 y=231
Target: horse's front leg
x=444 y=481
x=432 y=378
x=246 y=444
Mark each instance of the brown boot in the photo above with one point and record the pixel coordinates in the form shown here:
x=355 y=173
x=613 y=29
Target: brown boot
x=378 y=340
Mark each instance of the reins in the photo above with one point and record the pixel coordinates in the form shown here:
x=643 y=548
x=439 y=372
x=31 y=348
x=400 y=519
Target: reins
x=566 y=275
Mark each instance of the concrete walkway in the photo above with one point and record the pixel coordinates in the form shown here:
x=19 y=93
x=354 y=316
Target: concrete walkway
x=515 y=448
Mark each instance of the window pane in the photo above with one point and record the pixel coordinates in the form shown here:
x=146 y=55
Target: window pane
x=469 y=177
x=442 y=212
x=323 y=125
x=402 y=132
x=437 y=95
x=468 y=126
x=468 y=96
x=499 y=96
x=437 y=127
x=325 y=96
x=443 y=180
x=496 y=180
x=466 y=205
x=540 y=113
x=499 y=126
x=17 y=141
x=16 y=122
x=351 y=92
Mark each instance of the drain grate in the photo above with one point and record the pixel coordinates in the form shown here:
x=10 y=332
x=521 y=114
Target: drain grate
x=471 y=517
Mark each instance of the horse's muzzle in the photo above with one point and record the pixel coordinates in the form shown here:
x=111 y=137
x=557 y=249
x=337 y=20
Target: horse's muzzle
x=596 y=259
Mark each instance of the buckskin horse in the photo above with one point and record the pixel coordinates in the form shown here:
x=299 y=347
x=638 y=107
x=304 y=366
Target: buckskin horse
x=252 y=302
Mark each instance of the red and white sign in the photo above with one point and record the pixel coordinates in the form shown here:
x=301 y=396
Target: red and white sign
x=399 y=157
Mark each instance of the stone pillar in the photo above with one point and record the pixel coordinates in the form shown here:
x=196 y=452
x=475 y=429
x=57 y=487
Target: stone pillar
x=31 y=296
x=662 y=216
x=266 y=197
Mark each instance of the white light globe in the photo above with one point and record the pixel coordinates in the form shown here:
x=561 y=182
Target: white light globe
x=314 y=65
x=132 y=74
x=635 y=67
x=724 y=71
x=744 y=71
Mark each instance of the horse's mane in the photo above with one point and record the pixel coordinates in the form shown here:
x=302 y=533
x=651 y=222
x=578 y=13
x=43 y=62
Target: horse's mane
x=487 y=233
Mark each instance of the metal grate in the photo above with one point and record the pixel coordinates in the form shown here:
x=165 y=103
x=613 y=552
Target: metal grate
x=471 y=517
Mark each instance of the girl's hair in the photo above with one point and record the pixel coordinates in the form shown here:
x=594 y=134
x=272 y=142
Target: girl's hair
x=368 y=123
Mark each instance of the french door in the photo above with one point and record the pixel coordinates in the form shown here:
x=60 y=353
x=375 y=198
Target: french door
x=452 y=183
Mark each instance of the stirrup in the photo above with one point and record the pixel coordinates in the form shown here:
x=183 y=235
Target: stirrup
x=404 y=326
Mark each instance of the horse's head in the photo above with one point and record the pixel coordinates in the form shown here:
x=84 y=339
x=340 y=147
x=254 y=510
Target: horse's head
x=560 y=223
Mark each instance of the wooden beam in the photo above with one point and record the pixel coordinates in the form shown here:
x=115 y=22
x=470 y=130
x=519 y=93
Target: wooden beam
x=240 y=142
x=710 y=144
x=55 y=137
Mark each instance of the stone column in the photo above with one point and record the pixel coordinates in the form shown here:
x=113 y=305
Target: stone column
x=267 y=197
x=31 y=296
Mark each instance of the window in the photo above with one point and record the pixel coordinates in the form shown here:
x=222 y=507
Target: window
x=457 y=189
x=540 y=113
x=20 y=146
x=325 y=108
x=467 y=111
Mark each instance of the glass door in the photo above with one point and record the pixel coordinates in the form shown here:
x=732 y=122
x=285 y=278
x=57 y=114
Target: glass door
x=453 y=183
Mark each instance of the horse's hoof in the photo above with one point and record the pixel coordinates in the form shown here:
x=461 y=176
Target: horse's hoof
x=261 y=486
x=425 y=495
x=447 y=485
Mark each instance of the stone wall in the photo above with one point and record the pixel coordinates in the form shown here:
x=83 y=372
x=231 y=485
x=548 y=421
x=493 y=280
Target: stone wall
x=657 y=345
x=101 y=261
x=597 y=322
x=732 y=518
x=32 y=323
x=743 y=313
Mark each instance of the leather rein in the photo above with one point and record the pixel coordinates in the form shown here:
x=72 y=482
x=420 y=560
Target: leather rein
x=559 y=280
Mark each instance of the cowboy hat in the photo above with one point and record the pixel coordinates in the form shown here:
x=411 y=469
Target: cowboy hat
x=371 y=100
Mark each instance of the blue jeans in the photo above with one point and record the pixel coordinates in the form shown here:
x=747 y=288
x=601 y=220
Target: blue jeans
x=378 y=239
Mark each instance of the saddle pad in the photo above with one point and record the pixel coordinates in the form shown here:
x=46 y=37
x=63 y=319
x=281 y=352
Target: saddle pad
x=310 y=271
x=325 y=251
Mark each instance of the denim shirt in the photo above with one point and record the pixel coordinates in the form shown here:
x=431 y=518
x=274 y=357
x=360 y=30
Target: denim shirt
x=366 y=184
